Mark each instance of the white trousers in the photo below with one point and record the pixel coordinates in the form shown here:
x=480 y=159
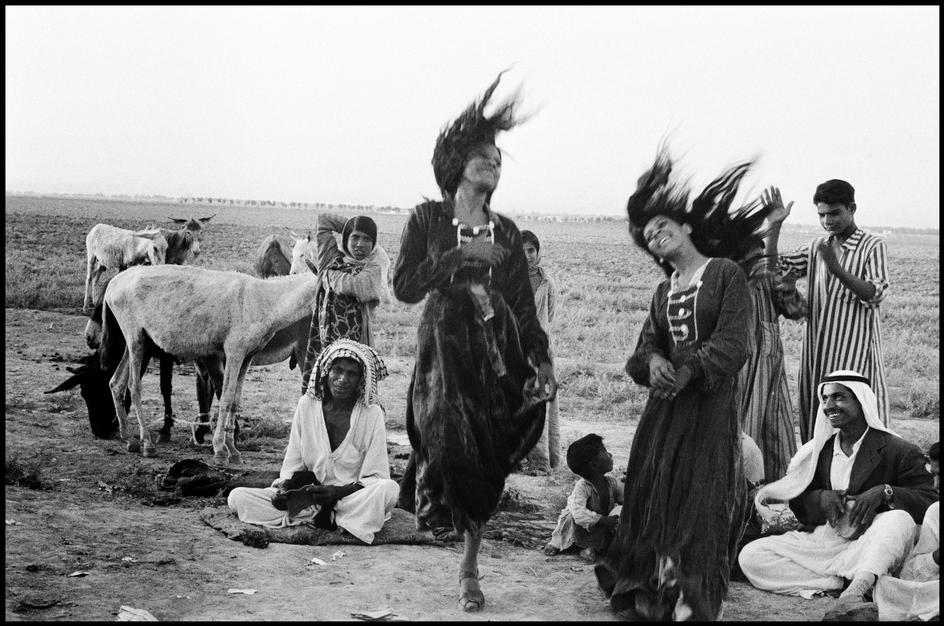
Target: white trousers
x=362 y=513
x=916 y=592
x=803 y=564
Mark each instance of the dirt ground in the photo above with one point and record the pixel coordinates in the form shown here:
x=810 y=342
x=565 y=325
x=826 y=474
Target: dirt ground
x=98 y=512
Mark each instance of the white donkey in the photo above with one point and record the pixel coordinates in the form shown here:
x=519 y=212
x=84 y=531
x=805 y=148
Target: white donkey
x=196 y=313
x=305 y=248
x=108 y=246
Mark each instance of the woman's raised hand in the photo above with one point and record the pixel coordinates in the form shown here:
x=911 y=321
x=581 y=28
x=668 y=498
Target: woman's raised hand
x=771 y=197
x=480 y=250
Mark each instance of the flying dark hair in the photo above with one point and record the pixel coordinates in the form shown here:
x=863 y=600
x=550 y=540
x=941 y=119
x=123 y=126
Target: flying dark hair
x=717 y=231
x=528 y=237
x=834 y=191
x=582 y=451
x=468 y=131
x=934 y=452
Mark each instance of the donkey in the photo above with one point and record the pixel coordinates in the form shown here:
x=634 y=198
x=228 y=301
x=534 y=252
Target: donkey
x=108 y=246
x=271 y=259
x=195 y=313
x=305 y=249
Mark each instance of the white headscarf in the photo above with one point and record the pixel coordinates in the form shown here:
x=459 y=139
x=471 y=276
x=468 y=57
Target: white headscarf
x=803 y=464
x=374 y=369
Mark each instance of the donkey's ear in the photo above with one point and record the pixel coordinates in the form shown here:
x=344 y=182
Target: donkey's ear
x=73 y=381
x=178 y=220
x=207 y=219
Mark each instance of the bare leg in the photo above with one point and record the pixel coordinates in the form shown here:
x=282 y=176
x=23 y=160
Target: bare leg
x=470 y=593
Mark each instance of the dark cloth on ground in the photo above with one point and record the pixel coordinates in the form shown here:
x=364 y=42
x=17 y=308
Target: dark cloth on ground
x=192 y=477
x=399 y=529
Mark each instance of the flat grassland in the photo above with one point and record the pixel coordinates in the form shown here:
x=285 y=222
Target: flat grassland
x=96 y=503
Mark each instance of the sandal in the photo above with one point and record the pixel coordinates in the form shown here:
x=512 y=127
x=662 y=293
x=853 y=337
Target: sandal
x=471 y=597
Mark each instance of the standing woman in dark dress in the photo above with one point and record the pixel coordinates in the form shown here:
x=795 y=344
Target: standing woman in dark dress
x=476 y=402
x=684 y=505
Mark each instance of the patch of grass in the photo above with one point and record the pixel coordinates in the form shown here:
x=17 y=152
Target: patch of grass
x=923 y=402
x=24 y=472
x=253 y=437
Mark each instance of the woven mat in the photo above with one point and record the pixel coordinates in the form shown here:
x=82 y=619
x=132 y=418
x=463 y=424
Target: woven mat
x=400 y=528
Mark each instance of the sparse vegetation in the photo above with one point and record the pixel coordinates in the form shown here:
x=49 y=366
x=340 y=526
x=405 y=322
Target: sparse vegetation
x=24 y=472
x=605 y=283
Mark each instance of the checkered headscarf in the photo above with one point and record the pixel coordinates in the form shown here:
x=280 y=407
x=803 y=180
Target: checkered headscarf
x=374 y=369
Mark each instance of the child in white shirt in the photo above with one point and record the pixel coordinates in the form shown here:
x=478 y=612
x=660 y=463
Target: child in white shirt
x=590 y=518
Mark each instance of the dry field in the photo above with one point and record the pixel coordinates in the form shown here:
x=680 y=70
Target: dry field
x=92 y=504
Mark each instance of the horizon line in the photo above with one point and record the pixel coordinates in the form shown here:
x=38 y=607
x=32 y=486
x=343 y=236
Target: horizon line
x=298 y=204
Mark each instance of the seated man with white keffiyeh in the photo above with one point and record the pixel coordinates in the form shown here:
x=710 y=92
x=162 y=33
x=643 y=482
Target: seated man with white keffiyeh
x=335 y=471
x=859 y=489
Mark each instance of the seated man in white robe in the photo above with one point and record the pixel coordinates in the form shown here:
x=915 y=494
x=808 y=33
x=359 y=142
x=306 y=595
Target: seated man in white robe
x=338 y=435
x=861 y=488
x=916 y=592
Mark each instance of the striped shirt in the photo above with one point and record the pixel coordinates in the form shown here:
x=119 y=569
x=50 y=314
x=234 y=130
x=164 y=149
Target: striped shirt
x=843 y=331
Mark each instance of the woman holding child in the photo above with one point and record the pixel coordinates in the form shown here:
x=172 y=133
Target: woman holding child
x=685 y=492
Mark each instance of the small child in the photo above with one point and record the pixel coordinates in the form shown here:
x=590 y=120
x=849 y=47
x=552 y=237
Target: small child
x=589 y=520
x=545 y=455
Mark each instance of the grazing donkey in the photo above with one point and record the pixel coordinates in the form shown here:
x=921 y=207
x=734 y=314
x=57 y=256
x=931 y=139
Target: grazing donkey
x=195 y=313
x=108 y=246
x=271 y=259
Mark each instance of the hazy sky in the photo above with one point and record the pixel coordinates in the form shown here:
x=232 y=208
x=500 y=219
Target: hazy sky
x=343 y=104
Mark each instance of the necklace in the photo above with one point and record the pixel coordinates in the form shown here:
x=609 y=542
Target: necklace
x=463 y=236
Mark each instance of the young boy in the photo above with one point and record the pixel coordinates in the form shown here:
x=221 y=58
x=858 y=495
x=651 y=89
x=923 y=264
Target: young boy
x=847 y=279
x=546 y=452
x=589 y=520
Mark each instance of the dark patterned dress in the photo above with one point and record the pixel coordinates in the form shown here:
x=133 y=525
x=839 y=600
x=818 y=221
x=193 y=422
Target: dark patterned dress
x=765 y=407
x=684 y=504
x=467 y=418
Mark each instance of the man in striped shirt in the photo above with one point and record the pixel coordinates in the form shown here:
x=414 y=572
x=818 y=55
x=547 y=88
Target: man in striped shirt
x=847 y=279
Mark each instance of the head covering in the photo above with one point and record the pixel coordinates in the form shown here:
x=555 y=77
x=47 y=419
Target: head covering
x=362 y=223
x=468 y=131
x=803 y=464
x=374 y=369
x=529 y=237
x=716 y=230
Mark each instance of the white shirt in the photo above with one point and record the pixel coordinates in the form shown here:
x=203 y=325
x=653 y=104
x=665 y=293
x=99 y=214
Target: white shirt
x=841 y=469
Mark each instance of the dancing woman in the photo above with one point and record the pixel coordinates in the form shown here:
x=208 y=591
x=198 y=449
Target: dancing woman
x=475 y=405
x=683 y=507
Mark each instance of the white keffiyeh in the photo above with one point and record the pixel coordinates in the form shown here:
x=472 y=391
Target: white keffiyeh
x=374 y=369
x=803 y=464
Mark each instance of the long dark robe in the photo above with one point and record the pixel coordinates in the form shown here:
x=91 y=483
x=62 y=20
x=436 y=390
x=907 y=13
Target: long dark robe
x=685 y=492
x=466 y=413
